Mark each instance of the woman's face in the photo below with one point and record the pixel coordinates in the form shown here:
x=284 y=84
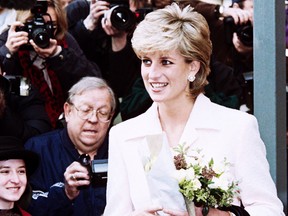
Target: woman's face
x=52 y=13
x=13 y=182
x=165 y=75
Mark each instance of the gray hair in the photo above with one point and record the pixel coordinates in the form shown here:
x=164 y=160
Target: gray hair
x=91 y=83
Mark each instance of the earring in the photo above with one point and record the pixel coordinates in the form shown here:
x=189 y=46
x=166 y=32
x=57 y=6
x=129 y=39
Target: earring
x=191 y=78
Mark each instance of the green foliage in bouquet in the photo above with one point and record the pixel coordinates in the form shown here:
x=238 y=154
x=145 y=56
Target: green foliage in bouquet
x=206 y=183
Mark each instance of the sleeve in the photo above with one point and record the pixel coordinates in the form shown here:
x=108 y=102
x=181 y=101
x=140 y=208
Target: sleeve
x=89 y=41
x=71 y=64
x=48 y=196
x=117 y=175
x=9 y=62
x=51 y=203
x=25 y=116
x=257 y=189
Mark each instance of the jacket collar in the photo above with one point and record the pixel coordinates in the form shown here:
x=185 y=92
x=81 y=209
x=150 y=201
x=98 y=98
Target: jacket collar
x=202 y=117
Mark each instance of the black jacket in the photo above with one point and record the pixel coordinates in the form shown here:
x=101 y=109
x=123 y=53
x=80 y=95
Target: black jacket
x=24 y=116
x=70 y=65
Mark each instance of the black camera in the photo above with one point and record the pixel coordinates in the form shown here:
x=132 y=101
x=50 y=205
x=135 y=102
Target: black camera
x=38 y=30
x=97 y=170
x=244 y=32
x=17 y=85
x=142 y=12
x=121 y=17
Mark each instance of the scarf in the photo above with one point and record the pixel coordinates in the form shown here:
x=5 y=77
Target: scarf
x=54 y=99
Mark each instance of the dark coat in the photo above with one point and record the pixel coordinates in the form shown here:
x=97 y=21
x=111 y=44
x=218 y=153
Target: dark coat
x=70 y=65
x=24 y=116
x=57 y=152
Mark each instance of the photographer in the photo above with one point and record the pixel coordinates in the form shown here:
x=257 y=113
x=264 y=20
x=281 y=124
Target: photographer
x=88 y=113
x=227 y=45
x=21 y=116
x=40 y=48
x=108 y=45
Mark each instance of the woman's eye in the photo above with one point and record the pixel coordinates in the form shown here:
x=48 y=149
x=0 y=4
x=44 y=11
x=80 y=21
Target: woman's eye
x=22 y=171
x=166 y=62
x=146 y=62
x=4 y=172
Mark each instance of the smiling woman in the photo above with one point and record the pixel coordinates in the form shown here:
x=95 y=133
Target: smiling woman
x=16 y=164
x=174 y=46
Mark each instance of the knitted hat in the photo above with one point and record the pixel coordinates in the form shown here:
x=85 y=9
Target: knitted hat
x=12 y=148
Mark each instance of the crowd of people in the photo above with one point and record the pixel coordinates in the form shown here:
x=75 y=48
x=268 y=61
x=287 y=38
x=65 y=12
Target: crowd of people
x=84 y=85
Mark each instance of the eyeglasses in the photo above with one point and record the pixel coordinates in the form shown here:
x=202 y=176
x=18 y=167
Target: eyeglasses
x=87 y=112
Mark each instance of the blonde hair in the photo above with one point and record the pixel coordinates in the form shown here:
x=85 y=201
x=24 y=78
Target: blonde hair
x=62 y=26
x=172 y=28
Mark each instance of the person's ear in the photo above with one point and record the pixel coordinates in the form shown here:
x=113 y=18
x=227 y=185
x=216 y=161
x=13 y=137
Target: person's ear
x=67 y=111
x=194 y=67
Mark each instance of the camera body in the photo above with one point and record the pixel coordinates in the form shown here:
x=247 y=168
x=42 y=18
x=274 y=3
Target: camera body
x=142 y=12
x=17 y=85
x=244 y=32
x=121 y=17
x=97 y=170
x=38 y=30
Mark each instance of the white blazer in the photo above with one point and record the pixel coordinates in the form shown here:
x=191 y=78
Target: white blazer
x=219 y=131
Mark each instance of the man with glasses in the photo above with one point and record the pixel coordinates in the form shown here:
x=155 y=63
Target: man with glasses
x=58 y=183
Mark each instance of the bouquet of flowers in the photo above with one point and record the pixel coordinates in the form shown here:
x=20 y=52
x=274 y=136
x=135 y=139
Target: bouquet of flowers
x=206 y=183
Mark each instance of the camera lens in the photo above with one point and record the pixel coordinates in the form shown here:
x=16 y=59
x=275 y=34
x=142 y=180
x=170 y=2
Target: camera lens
x=84 y=160
x=122 y=18
x=245 y=34
x=41 y=37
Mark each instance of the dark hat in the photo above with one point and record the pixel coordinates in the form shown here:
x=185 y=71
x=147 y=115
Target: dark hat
x=236 y=1
x=12 y=148
x=17 y=4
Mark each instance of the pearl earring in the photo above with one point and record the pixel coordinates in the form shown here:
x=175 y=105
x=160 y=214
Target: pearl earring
x=191 y=78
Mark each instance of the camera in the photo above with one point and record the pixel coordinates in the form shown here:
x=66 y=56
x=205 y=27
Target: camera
x=38 y=30
x=17 y=85
x=97 y=170
x=121 y=17
x=142 y=12
x=244 y=32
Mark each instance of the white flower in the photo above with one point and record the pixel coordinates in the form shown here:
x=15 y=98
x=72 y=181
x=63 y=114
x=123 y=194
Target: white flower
x=222 y=182
x=197 y=184
x=180 y=175
x=190 y=174
x=219 y=168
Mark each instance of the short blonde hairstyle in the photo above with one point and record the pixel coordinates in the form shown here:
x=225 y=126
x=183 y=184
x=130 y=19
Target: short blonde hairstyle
x=184 y=30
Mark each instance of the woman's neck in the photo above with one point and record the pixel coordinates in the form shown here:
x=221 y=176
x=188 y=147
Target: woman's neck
x=6 y=205
x=173 y=120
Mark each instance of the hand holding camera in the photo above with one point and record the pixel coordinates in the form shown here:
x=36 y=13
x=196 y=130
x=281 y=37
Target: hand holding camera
x=97 y=170
x=16 y=39
x=97 y=10
x=76 y=176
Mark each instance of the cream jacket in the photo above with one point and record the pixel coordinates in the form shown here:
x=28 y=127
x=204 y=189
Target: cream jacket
x=219 y=131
